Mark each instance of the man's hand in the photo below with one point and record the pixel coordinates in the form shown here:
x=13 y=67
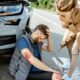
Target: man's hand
x=48 y=32
x=48 y=46
x=56 y=76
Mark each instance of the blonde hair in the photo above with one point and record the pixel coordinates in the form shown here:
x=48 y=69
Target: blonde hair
x=65 y=5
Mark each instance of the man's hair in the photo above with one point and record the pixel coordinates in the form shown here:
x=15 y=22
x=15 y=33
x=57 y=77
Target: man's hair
x=42 y=28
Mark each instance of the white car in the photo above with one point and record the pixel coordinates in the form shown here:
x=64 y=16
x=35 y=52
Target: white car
x=14 y=17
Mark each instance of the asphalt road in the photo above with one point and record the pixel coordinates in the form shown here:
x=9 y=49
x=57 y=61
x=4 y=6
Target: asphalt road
x=4 y=64
x=51 y=19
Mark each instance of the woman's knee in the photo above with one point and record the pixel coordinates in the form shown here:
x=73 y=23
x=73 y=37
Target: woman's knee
x=78 y=36
x=74 y=50
x=78 y=40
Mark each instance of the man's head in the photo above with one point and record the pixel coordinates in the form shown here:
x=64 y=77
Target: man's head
x=65 y=5
x=40 y=33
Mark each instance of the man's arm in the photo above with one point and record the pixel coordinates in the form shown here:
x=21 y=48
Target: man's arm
x=34 y=61
x=48 y=46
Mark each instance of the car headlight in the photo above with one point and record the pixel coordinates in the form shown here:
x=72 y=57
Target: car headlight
x=8 y=10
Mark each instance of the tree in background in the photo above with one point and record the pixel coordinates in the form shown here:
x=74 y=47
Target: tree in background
x=48 y=4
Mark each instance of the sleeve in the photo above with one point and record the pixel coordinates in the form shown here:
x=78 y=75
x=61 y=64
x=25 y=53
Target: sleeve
x=22 y=43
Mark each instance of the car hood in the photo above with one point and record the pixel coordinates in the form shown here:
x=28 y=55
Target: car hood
x=12 y=0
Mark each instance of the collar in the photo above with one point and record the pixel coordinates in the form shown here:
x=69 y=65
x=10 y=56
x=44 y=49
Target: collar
x=29 y=37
